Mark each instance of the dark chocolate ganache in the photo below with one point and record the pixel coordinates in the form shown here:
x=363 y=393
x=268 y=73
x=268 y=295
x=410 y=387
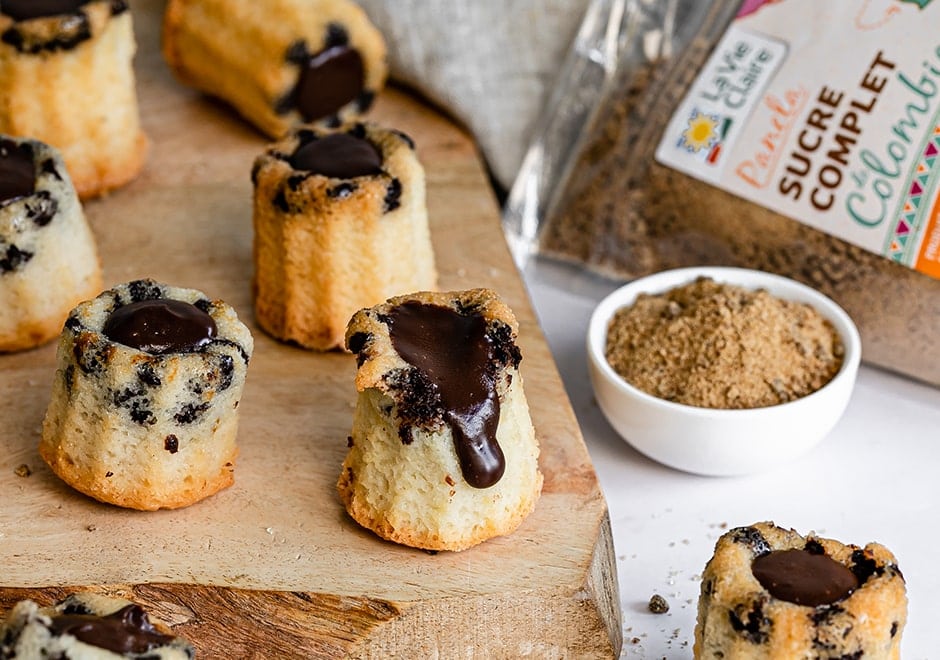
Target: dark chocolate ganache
x=804 y=578
x=17 y=171
x=23 y=10
x=338 y=155
x=160 y=326
x=126 y=631
x=329 y=80
x=454 y=352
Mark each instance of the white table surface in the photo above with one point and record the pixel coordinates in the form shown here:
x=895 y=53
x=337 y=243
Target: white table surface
x=876 y=477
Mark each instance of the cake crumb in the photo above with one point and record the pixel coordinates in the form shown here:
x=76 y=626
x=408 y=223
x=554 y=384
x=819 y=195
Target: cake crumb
x=22 y=470
x=658 y=604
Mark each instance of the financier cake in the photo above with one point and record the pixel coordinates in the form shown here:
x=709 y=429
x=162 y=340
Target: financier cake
x=67 y=79
x=279 y=63
x=88 y=626
x=769 y=592
x=143 y=412
x=442 y=454
x=340 y=223
x=48 y=259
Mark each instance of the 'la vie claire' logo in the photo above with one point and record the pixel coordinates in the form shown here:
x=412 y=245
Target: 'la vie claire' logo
x=758 y=170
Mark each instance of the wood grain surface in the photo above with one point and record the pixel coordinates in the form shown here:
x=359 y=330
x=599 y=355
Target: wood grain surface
x=273 y=566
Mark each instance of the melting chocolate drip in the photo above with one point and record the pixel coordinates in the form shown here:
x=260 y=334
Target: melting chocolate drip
x=328 y=80
x=804 y=578
x=160 y=326
x=454 y=352
x=23 y=10
x=126 y=631
x=17 y=171
x=339 y=155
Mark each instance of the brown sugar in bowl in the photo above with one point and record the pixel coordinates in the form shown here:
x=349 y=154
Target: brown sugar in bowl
x=717 y=441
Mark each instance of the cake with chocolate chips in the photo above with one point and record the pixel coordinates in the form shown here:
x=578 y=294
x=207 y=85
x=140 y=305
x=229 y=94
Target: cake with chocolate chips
x=278 y=63
x=48 y=259
x=769 y=592
x=145 y=396
x=88 y=626
x=340 y=223
x=442 y=453
x=67 y=79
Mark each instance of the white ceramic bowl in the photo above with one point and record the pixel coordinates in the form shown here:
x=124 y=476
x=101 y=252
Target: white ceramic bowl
x=712 y=441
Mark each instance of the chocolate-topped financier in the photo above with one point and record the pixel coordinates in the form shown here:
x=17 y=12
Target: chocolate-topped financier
x=278 y=63
x=89 y=626
x=769 y=592
x=48 y=258
x=442 y=453
x=144 y=402
x=67 y=79
x=340 y=223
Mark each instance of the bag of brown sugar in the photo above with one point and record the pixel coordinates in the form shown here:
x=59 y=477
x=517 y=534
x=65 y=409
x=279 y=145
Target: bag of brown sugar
x=793 y=136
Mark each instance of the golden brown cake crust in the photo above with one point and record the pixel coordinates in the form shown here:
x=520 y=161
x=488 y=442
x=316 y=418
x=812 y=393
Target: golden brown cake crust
x=326 y=247
x=140 y=430
x=739 y=618
x=247 y=52
x=48 y=258
x=68 y=80
x=403 y=479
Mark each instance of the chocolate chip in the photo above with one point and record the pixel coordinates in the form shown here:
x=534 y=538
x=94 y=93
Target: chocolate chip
x=41 y=208
x=864 y=566
x=894 y=628
x=358 y=130
x=147 y=375
x=393 y=196
x=364 y=100
x=227 y=372
x=118 y=7
x=235 y=345
x=294 y=181
x=814 y=547
x=349 y=441
x=141 y=415
x=48 y=167
x=751 y=537
x=336 y=35
x=203 y=304
x=297 y=52
x=405 y=138
x=69 y=377
x=144 y=290
x=280 y=202
x=357 y=341
x=749 y=620
x=171 y=443
x=108 y=474
x=13 y=258
x=191 y=412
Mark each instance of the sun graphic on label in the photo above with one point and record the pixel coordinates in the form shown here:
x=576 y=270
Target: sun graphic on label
x=701 y=132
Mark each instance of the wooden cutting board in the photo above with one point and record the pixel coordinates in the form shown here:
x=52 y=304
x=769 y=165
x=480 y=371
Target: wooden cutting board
x=273 y=566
